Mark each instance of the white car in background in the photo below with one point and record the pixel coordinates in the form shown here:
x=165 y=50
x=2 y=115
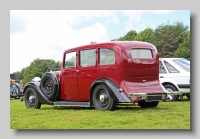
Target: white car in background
x=175 y=76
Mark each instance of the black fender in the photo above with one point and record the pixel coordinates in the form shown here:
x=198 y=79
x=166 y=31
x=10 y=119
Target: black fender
x=41 y=97
x=116 y=93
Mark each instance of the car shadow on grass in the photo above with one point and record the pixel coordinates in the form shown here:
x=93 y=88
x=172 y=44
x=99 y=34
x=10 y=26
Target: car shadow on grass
x=134 y=108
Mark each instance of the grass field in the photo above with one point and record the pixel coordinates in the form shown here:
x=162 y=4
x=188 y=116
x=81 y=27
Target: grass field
x=168 y=115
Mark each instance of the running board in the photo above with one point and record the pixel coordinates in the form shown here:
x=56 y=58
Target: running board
x=72 y=103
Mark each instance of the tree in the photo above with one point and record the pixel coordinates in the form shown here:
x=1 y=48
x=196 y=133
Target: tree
x=183 y=49
x=38 y=67
x=169 y=45
x=147 y=35
x=92 y=42
x=177 y=29
x=129 y=36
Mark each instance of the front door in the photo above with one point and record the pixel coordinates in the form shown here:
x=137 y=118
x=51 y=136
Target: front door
x=69 y=79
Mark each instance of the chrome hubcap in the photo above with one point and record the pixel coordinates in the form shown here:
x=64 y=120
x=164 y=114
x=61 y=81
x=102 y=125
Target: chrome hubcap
x=168 y=91
x=31 y=99
x=102 y=98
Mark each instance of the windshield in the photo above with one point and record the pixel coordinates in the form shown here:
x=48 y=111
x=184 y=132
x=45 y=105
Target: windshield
x=183 y=63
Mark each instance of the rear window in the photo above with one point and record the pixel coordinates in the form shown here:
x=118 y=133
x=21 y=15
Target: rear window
x=141 y=53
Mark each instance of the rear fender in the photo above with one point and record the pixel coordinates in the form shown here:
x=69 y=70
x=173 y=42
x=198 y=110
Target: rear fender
x=41 y=97
x=115 y=91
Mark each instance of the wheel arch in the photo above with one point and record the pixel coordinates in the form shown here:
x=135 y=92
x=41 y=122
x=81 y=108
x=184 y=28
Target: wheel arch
x=170 y=83
x=114 y=90
x=41 y=97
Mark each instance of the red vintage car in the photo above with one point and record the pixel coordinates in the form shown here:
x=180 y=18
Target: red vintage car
x=102 y=75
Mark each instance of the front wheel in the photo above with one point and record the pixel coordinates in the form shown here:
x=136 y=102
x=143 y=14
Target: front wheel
x=31 y=99
x=102 y=99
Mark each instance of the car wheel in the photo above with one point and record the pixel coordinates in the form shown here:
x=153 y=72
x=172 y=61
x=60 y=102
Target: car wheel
x=145 y=104
x=102 y=99
x=48 y=86
x=188 y=96
x=31 y=99
x=171 y=88
x=14 y=90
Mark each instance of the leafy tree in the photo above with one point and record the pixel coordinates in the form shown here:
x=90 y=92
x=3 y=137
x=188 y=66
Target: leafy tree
x=38 y=67
x=169 y=46
x=183 y=49
x=129 y=36
x=92 y=42
x=147 y=35
x=177 y=29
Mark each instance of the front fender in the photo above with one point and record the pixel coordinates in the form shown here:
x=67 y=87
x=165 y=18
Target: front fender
x=41 y=97
x=117 y=93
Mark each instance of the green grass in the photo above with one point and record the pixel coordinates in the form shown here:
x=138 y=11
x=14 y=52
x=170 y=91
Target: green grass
x=168 y=115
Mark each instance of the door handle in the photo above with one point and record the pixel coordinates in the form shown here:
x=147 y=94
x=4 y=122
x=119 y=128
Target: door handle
x=77 y=70
x=161 y=76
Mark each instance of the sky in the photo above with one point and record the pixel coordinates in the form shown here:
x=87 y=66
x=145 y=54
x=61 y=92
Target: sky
x=46 y=34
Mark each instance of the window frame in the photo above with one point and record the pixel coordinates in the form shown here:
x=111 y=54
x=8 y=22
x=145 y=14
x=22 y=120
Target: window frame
x=89 y=65
x=99 y=57
x=75 y=65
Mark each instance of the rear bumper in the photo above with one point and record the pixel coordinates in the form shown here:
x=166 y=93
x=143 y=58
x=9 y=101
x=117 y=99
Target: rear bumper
x=151 y=96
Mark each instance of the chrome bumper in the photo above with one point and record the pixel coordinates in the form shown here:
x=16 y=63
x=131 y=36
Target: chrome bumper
x=152 y=96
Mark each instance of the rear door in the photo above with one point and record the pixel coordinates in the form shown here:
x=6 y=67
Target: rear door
x=87 y=71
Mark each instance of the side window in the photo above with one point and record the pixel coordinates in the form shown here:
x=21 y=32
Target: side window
x=88 y=58
x=70 y=60
x=170 y=68
x=162 y=68
x=106 y=57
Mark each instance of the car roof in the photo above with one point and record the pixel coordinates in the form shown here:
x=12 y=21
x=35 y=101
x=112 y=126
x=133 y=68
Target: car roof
x=170 y=58
x=122 y=44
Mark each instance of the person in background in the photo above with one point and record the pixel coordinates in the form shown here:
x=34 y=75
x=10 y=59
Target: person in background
x=21 y=86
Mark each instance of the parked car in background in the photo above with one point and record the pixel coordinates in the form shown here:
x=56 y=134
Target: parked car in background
x=175 y=76
x=15 y=90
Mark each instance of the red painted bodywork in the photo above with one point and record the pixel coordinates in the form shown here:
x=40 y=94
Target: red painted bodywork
x=131 y=75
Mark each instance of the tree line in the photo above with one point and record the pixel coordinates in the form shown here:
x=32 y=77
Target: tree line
x=171 y=40
x=36 y=69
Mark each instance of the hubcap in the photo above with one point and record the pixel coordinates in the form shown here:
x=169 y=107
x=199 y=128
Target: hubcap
x=168 y=91
x=102 y=98
x=31 y=99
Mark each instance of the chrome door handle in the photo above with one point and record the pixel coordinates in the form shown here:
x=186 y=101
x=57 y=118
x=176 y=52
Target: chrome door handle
x=77 y=70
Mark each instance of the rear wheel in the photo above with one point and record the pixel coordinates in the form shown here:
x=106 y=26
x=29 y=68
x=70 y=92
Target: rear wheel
x=102 y=99
x=14 y=91
x=188 y=96
x=145 y=104
x=171 y=88
x=31 y=99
